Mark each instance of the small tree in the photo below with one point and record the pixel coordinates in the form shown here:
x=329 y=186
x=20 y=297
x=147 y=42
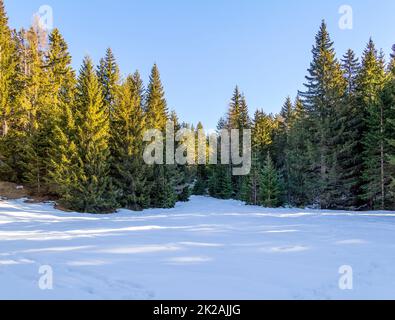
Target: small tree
x=270 y=188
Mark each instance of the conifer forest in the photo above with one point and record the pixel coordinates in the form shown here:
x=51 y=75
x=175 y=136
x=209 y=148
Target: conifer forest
x=77 y=136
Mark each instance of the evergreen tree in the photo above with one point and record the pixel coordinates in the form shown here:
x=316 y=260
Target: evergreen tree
x=220 y=182
x=156 y=105
x=263 y=128
x=9 y=135
x=350 y=148
x=238 y=118
x=7 y=72
x=109 y=77
x=270 y=188
x=297 y=155
x=127 y=128
x=388 y=102
x=33 y=105
x=391 y=65
x=250 y=192
x=323 y=100
x=371 y=81
x=220 y=175
x=60 y=122
x=162 y=179
x=201 y=181
x=281 y=141
x=91 y=189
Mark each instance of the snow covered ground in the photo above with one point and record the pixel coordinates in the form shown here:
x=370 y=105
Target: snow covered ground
x=204 y=249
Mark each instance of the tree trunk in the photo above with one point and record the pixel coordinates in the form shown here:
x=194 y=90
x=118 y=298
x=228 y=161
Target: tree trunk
x=5 y=128
x=382 y=160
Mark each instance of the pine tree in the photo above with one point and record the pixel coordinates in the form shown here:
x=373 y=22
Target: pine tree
x=156 y=105
x=270 y=187
x=238 y=118
x=33 y=105
x=263 y=128
x=371 y=81
x=220 y=175
x=60 y=123
x=9 y=136
x=388 y=101
x=109 y=78
x=323 y=100
x=162 y=179
x=297 y=155
x=349 y=144
x=388 y=98
x=201 y=182
x=91 y=191
x=7 y=71
x=250 y=190
x=281 y=140
x=220 y=182
x=127 y=128
x=391 y=65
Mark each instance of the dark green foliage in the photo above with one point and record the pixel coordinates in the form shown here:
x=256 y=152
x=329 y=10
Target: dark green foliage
x=127 y=127
x=323 y=101
x=185 y=194
x=250 y=190
x=220 y=182
x=90 y=190
x=371 y=82
x=109 y=78
x=201 y=183
x=82 y=141
x=271 y=185
x=162 y=180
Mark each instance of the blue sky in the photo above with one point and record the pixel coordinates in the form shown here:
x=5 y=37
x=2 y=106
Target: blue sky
x=205 y=47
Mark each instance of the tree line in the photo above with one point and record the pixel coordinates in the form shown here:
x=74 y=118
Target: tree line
x=331 y=148
x=78 y=137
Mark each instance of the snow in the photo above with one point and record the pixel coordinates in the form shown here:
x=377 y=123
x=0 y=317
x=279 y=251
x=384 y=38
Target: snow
x=204 y=249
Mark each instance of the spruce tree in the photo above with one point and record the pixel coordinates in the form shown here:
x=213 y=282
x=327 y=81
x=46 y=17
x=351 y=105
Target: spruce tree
x=323 y=100
x=370 y=83
x=297 y=155
x=220 y=182
x=34 y=106
x=349 y=144
x=281 y=141
x=7 y=71
x=156 y=105
x=162 y=178
x=127 y=129
x=250 y=190
x=9 y=136
x=388 y=101
x=201 y=181
x=220 y=175
x=109 y=78
x=270 y=186
x=91 y=192
x=238 y=118
x=60 y=123
x=263 y=128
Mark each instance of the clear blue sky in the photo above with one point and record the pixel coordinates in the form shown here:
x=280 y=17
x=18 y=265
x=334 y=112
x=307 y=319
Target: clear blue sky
x=205 y=47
